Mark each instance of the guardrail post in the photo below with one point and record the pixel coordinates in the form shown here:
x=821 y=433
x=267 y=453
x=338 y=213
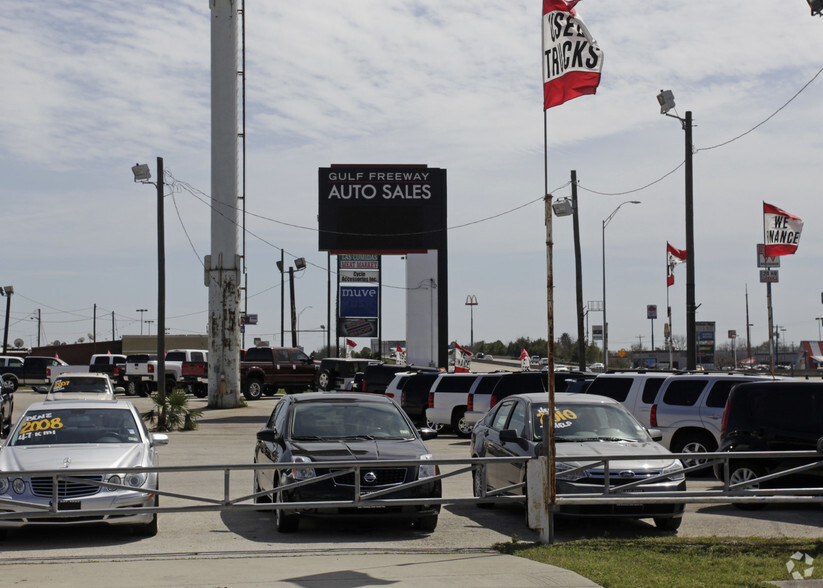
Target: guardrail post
x=539 y=515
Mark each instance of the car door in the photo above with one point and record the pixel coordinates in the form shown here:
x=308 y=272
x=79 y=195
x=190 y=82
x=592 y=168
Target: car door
x=498 y=474
x=303 y=367
x=268 y=452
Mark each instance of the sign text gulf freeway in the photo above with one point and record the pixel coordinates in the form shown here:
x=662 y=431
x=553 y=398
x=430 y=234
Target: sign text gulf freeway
x=358 y=301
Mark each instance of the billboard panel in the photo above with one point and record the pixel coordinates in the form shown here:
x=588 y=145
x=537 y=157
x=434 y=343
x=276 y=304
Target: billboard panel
x=359 y=301
x=397 y=209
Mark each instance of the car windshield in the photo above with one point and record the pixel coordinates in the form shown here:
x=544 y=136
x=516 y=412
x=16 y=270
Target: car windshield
x=64 y=426
x=80 y=384
x=589 y=422
x=348 y=420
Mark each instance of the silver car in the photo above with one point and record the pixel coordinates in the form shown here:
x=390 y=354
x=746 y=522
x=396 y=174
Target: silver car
x=62 y=435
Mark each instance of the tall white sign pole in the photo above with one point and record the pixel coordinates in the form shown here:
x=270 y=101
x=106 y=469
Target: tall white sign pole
x=222 y=267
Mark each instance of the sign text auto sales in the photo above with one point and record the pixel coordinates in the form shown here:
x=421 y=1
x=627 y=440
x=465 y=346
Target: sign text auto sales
x=371 y=185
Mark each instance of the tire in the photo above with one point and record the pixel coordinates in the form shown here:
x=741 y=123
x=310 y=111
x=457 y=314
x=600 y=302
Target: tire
x=149 y=529
x=694 y=443
x=285 y=522
x=668 y=523
x=477 y=481
x=324 y=380
x=426 y=524
x=460 y=426
x=132 y=388
x=15 y=383
x=200 y=390
x=744 y=471
x=253 y=389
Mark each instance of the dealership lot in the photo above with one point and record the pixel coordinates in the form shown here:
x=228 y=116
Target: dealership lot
x=228 y=437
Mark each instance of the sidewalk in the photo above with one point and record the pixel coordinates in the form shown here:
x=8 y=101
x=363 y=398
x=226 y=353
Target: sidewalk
x=342 y=570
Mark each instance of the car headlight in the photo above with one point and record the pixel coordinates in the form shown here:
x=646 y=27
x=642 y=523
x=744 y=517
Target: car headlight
x=561 y=468
x=427 y=470
x=136 y=479
x=4 y=485
x=19 y=485
x=302 y=473
x=114 y=479
x=674 y=471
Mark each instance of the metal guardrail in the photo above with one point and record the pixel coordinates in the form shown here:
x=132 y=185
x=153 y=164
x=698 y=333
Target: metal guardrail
x=232 y=498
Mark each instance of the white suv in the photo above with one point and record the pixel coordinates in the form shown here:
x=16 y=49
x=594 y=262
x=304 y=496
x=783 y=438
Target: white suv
x=689 y=408
x=448 y=398
x=636 y=390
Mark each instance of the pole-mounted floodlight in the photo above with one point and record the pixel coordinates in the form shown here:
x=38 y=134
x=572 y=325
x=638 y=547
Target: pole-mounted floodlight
x=300 y=263
x=563 y=207
x=666 y=100
x=816 y=6
x=141 y=172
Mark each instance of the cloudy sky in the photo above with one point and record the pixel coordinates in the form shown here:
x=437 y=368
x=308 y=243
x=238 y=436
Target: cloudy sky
x=90 y=88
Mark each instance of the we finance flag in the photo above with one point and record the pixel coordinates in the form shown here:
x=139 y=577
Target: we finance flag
x=572 y=61
x=781 y=231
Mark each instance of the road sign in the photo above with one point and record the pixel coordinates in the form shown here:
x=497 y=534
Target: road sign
x=763 y=261
x=767 y=276
x=651 y=311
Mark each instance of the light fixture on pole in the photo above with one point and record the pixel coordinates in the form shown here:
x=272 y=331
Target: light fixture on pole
x=816 y=7
x=299 y=265
x=6 y=291
x=666 y=101
x=606 y=222
x=471 y=302
x=141 y=311
x=142 y=175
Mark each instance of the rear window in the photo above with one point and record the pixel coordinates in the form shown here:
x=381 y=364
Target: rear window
x=455 y=383
x=650 y=389
x=258 y=354
x=616 y=388
x=521 y=383
x=419 y=382
x=486 y=384
x=720 y=392
x=683 y=392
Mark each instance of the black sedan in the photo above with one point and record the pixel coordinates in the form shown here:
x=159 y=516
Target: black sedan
x=326 y=427
x=585 y=425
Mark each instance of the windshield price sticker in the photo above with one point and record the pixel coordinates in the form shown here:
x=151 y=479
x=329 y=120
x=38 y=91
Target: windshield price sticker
x=562 y=418
x=39 y=425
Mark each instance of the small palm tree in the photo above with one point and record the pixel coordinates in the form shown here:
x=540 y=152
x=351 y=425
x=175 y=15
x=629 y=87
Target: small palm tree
x=173 y=408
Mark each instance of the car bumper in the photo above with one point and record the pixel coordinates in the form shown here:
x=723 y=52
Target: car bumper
x=13 y=503
x=622 y=509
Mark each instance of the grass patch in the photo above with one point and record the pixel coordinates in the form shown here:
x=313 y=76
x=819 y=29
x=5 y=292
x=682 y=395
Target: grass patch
x=675 y=561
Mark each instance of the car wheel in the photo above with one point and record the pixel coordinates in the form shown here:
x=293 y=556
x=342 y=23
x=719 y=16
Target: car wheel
x=14 y=382
x=694 y=444
x=200 y=390
x=324 y=380
x=253 y=389
x=743 y=472
x=132 y=388
x=426 y=524
x=149 y=529
x=461 y=427
x=286 y=522
x=477 y=488
x=668 y=523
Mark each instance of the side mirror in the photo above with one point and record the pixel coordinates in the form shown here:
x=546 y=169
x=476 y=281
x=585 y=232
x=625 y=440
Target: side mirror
x=820 y=445
x=119 y=390
x=656 y=434
x=427 y=433
x=268 y=435
x=159 y=439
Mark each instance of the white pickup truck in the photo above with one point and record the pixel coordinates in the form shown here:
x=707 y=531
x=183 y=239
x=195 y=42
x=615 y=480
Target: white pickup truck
x=111 y=364
x=141 y=370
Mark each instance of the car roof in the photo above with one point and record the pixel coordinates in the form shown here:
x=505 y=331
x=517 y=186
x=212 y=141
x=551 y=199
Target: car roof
x=55 y=404
x=348 y=396
x=566 y=398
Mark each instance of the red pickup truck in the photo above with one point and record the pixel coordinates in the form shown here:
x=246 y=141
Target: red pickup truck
x=265 y=370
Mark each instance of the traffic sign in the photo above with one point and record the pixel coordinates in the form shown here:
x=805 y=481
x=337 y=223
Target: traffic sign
x=768 y=276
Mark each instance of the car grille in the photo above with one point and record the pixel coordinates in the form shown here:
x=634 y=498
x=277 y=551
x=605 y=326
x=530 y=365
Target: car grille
x=618 y=477
x=384 y=477
x=43 y=486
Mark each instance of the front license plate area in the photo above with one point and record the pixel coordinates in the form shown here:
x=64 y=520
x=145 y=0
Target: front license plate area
x=68 y=505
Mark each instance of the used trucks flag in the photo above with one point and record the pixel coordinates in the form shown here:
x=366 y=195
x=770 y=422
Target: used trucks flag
x=571 y=58
x=673 y=257
x=781 y=231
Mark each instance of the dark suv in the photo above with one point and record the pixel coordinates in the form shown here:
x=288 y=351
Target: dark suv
x=773 y=416
x=338 y=373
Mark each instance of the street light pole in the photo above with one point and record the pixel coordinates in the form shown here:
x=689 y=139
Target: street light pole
x=6 y=291
x=141 y=311
x=606 y=221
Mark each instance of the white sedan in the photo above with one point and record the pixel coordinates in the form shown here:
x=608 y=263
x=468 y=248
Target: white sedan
x=61 y=435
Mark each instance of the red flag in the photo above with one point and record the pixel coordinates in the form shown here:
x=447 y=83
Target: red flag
x=523 y=354
x=399 y=350
x=781 y=231
x=351 y=343
x=673 y=257
x=463 y=349
x=571 y=58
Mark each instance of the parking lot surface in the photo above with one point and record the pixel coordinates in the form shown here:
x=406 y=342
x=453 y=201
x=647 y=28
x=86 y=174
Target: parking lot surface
x=244 y=548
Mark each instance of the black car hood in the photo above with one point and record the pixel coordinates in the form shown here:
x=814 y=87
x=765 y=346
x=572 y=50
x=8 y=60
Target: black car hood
x=360 y=449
